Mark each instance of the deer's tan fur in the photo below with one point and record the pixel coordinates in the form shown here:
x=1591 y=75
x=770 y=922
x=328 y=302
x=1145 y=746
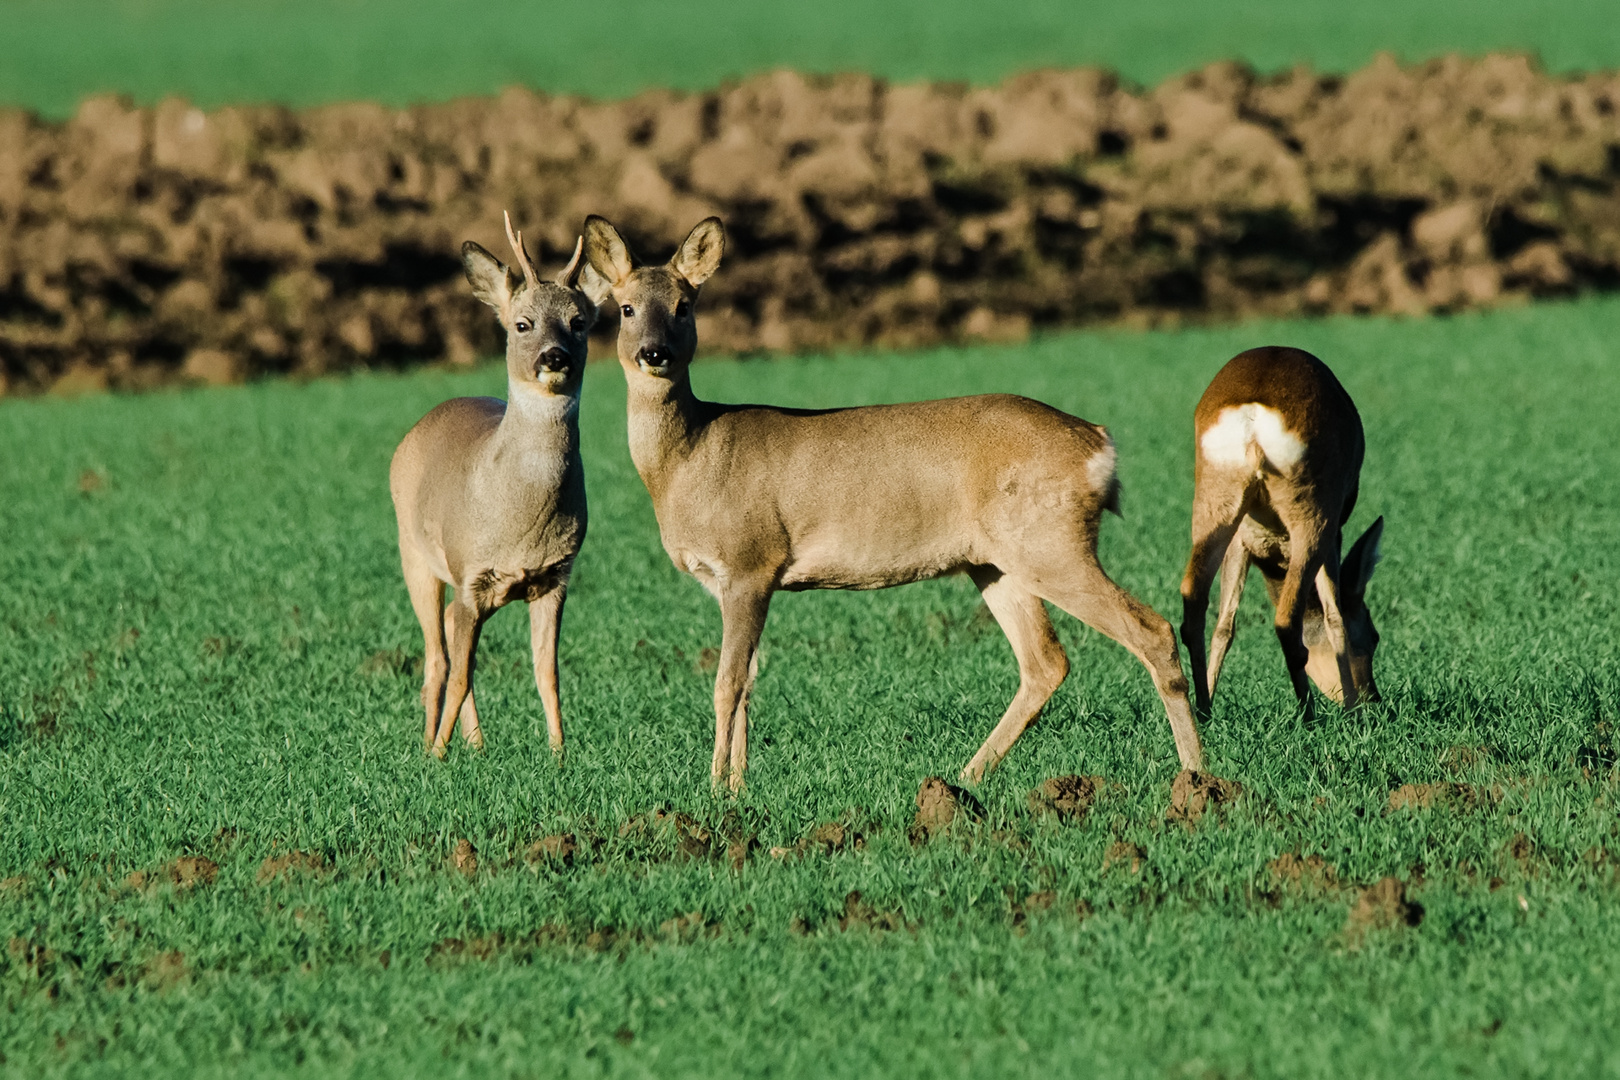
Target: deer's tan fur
x=490 y=495
x=753 y=499
x=1277 y=465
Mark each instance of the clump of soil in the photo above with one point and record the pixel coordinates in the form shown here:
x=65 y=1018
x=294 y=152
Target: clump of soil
x=1124 y=854
x=165 y=970
x=558 y=849
x=1381 y=906
x=939 y=807
x=1067 y=798
x=464 y=858
x=1311 y=874
x=1426 y=796
x=186 y=872
x=148 y=245
x=828 y=838
x=1193 y=794
x=288 y=865
x=859 y=914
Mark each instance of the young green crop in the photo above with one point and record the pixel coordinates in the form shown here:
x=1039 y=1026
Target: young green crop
x=206 y=650
x=305 y=52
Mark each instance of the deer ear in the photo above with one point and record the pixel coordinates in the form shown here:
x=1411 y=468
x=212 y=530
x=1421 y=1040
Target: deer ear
x=598 y=288
x=606 y=250
x=491 y=281
x=1362 y=560
x=699 y=256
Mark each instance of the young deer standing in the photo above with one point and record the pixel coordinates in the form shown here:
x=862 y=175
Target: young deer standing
x=1276 y=471
x=752 y=499
x=490 y=495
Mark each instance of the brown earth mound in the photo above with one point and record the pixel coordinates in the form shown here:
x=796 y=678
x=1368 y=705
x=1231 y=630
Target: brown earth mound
x=143 y=245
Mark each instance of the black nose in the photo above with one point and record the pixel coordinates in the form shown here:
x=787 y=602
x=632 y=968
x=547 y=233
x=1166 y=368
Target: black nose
x=554 y=359
x=656 y=355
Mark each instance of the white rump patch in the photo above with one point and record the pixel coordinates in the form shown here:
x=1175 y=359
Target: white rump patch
x=1100 y=469
x=1240 y=426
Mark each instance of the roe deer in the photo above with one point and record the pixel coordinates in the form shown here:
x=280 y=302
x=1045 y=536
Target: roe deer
x=1276 y=471
x=490 y=495
x=753 y=499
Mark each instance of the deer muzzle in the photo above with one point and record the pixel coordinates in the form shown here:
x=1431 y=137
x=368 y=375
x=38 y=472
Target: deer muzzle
x=553 y=359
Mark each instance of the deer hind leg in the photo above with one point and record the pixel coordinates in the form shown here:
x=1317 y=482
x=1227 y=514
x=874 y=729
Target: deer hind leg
x=1234 y=572
x=1091 y=596
x=470 y=731
x=1218 y=507
x=427 y=600
x=1042 y=664
x=743 y=609
x=462 y=624
x=545 y=624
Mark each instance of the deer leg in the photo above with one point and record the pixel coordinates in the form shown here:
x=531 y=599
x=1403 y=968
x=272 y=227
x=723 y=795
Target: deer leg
x=463 y=625
x=470 y=730
x=1234 y=571
x=1042 y=665
x=545 y=624
x=1327 y=590
x=1207 y=550
x=1289 y=618
x=1092 y=597
x=742 y=611
x=427 y=600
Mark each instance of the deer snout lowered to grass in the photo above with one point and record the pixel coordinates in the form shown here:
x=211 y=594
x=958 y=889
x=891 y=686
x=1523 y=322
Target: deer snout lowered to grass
x=1277 y=466
x=753 y=499
x=490 y=494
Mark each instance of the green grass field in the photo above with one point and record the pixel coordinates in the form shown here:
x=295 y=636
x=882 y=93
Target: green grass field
x=207 y=651
x=53 y=52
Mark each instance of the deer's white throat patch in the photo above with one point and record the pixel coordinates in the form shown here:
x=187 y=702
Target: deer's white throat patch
x=1241 y=426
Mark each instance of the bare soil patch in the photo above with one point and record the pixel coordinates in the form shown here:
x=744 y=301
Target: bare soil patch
x=940 y=806
x=185 y=872
x=292 y=864
x=1193 y=794
x=148 y=245
x=1426 y=796
x=1066 y=798
x=1381 y=906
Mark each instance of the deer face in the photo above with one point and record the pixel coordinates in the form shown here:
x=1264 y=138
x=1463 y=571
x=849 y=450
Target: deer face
x=1361 y=637
x=547 y=323
x=657 y=316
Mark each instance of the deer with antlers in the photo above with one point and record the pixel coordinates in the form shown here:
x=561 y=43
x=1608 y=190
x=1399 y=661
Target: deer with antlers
x=490 y=494
x=752 y=499
x=1277 y=467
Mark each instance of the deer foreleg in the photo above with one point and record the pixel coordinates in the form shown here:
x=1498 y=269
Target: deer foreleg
x=1234 y=572
x=545 y=625
x=1289 y=619
x=1212 y=539
x=742 y=610
x=1327 y=589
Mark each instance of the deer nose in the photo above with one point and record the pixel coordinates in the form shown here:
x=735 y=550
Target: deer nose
x=554 y=359
x=655 y=355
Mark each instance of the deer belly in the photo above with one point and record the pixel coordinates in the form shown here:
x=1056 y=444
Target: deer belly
x=871 y=559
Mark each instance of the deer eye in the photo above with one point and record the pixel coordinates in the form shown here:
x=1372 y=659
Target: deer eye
x=681 y=309
x=522 y=326
x=576 y=325
x=627 y=311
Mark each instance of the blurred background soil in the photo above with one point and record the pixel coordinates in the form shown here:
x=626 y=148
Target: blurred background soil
x=139 y=246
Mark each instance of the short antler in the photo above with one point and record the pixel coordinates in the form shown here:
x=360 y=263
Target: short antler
x=522 y=253
x=570 y=273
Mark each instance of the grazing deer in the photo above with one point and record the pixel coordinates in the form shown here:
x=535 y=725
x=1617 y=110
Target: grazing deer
x=490 y=495
x=753 y=499
x=1276 y=472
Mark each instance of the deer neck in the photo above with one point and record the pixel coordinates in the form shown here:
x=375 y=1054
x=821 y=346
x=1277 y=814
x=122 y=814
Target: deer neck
x=538 y=432
x=665 y=422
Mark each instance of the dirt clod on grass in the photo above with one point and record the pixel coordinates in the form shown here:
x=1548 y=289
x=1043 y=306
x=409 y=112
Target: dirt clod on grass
x=859 y=914
x=1194 y=794
x=939 y=807
x=186 y=872
x=165 y=971
x=464 y=858
x=289 y=865
x=559 y=848
x=1381 y=906
x=1067 y=798
x=1311 y=874
x=1125 y=854
x=1427 y=796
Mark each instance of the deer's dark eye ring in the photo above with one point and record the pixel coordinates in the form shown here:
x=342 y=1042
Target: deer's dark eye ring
x=681 y=309
x=576 y=325
x=627 y=311
x=522 y=326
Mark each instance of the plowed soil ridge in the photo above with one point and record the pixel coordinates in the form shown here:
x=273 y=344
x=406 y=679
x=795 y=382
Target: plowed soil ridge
x=138 y=246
